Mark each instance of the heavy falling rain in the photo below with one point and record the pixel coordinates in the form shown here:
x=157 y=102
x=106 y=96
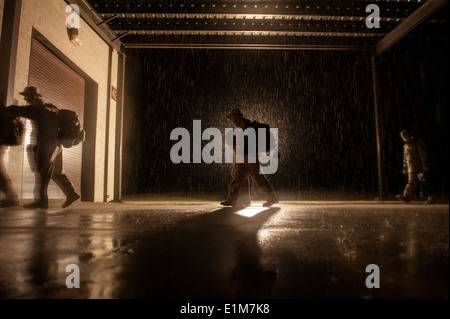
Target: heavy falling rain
x=321 y=102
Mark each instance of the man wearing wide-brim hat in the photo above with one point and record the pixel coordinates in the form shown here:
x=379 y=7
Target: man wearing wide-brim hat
x=242 y=171
x=31 y=91
x=48 y=151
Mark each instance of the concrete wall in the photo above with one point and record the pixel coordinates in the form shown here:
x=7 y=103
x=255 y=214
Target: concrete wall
x=48 y=17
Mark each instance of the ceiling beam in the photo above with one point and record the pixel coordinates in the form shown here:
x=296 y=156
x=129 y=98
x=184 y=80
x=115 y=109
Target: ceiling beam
x=244 y=46
x=252 y=33
x=250 y=17
x=281 y=7
x=409 y=24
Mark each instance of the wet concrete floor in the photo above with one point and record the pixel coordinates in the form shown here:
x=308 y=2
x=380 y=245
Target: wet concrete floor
x=293 y=250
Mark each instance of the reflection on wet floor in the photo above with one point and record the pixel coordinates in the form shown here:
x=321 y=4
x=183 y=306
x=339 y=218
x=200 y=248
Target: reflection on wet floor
x=205 y=251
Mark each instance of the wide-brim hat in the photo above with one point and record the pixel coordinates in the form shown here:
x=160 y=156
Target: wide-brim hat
x=234 y=112
x=30 y=90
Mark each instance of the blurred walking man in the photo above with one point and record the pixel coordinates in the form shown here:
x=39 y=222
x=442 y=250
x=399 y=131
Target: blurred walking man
x=242 y=171
x=49 y=162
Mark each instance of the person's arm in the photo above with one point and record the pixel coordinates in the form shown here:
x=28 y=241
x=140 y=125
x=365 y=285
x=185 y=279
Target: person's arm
x=29 y=111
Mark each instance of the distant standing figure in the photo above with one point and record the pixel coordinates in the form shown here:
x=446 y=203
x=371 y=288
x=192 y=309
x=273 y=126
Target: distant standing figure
x=49 y=161
x=416 y=164
x=242 y=171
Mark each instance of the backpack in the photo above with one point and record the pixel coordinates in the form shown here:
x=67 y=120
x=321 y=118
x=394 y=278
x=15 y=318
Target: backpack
x=270 y=139
x=69 y=126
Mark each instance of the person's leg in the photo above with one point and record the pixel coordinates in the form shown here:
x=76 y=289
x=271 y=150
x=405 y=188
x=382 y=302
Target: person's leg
x=244 y=190
x=63 y=181
x=33 y=162
x=411 y=186
x=45 y=165
x=59 y=177
x=244 y=193
x=241 y=174
x=262 y=182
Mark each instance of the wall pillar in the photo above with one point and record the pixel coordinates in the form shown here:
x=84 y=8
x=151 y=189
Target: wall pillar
x=119 y=128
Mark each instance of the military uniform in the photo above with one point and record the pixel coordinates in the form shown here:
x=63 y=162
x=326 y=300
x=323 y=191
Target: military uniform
x=242 y=171
x=244 y=197
x=415 y=162
x=48 y=151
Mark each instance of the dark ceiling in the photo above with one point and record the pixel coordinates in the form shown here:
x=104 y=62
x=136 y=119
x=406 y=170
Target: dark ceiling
x=305 y=24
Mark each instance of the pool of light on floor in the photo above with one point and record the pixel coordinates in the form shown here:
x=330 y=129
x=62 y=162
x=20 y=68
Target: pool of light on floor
x=251 y=211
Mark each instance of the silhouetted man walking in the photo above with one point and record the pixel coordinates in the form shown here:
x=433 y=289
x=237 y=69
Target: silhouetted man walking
x=49 y=163
x=242 y=171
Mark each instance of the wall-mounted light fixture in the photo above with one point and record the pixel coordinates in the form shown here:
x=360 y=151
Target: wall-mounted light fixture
x=74 y=36
x=73 y=24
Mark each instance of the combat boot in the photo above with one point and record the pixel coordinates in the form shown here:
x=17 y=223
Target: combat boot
x=229 y=202
x=72 y=197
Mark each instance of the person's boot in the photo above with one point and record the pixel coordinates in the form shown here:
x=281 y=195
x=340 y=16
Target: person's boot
x=229 y=202
x=431 y=200
x=40 y=203
x=271 y=201
x=403 y=198
x=72 y=197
